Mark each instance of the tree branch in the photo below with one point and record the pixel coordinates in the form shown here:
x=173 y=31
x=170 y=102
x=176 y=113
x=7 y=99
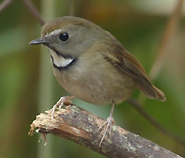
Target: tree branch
x=139 y=108
x=80 y=126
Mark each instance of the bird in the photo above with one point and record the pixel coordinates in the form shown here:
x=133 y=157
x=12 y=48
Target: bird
x=92 y=65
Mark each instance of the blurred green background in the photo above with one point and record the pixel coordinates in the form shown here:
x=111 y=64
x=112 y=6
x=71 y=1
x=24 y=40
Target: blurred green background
x=27 y=82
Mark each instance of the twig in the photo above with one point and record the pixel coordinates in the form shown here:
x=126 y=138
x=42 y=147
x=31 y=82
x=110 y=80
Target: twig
x=138 y=107
x=167 y=35
x=34 y=11
x=80 y=126
x=72 y=8
x=4 y=4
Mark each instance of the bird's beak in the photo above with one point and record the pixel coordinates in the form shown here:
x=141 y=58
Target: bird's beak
x=39 y=41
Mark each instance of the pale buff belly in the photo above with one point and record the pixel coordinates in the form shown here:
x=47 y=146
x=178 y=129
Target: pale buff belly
x=96 y=84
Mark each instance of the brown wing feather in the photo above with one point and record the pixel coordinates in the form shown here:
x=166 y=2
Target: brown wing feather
x=130 y=65
x=136 y=70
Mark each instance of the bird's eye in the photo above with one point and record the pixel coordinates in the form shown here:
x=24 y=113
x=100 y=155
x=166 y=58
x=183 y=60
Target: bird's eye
x=64 y=36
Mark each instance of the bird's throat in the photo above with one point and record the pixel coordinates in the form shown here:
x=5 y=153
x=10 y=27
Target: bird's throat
x=60 y=61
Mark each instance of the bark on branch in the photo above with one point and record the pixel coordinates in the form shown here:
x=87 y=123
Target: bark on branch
x=80 y=126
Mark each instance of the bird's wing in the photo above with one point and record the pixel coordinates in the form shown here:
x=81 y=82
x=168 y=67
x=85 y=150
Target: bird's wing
x=127 y=63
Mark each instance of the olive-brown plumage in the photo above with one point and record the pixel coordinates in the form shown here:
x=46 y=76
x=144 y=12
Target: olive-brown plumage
x=93 y=65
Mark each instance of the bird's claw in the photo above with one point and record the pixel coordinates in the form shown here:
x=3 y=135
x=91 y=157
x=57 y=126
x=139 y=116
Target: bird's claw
x=109 y=122
x=62 y=101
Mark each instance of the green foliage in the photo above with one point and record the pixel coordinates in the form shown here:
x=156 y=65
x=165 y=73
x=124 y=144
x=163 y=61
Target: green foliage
x=139 y=32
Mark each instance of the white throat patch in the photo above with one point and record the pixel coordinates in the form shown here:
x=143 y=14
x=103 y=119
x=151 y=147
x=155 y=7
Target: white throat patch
x=59 y=61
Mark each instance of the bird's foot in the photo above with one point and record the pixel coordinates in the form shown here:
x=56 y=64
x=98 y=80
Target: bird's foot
x=62 y=101
x=108 y=123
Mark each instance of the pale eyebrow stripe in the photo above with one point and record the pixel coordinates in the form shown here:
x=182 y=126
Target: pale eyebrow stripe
x=55 y=32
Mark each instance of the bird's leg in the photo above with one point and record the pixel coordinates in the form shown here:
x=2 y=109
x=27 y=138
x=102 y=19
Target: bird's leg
x=62 y=101
x=109 y=122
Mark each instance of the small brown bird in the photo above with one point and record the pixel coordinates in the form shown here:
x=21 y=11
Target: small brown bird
x=93 y=65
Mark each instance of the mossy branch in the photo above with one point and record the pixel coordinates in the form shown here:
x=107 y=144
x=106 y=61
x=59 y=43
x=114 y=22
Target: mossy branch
x=80 y=126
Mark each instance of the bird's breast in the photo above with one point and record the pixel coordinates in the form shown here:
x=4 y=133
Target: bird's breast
x=95 y=81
